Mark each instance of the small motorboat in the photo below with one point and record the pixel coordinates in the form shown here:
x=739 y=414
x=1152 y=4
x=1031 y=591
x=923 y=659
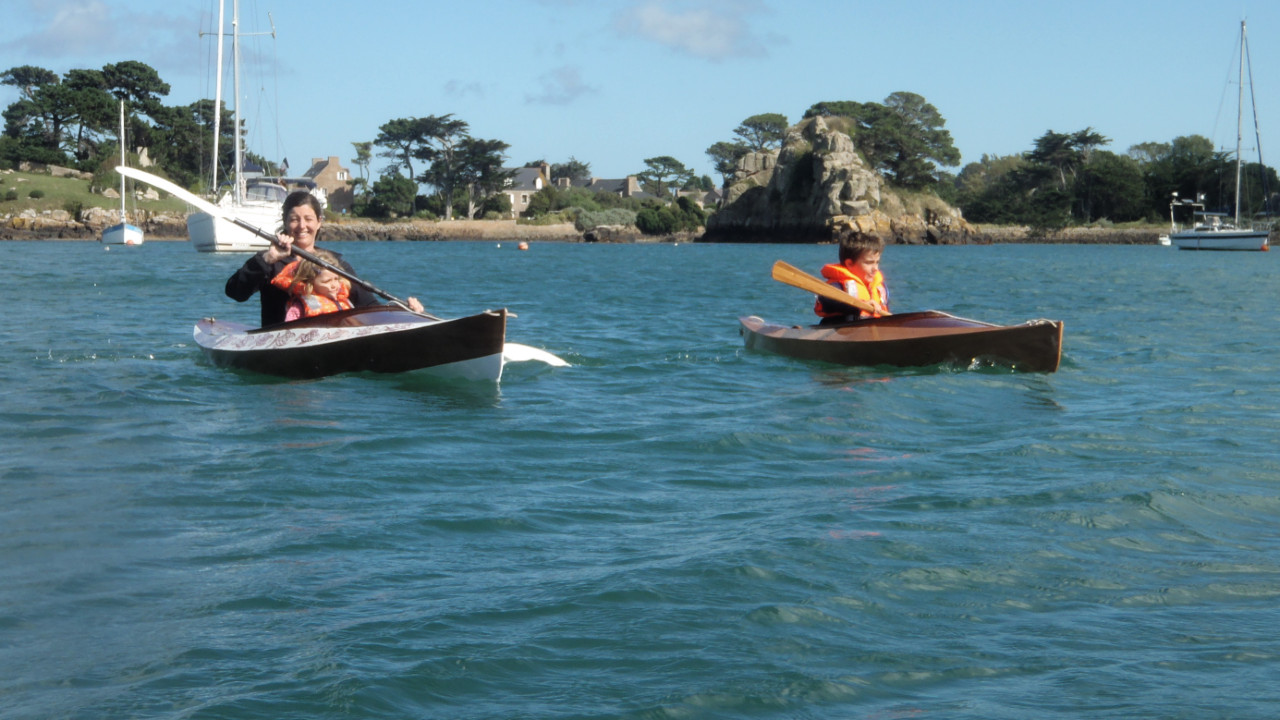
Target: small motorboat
x=913 y=339
x=379 y=339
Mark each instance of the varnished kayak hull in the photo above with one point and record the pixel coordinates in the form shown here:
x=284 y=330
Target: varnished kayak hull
x=913 y=340
x=380 y=339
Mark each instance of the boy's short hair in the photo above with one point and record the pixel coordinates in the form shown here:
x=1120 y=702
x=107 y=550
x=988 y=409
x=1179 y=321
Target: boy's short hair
x=852 y=247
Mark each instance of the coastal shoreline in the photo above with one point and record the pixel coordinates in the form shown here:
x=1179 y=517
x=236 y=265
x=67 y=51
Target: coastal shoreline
x=161 y=227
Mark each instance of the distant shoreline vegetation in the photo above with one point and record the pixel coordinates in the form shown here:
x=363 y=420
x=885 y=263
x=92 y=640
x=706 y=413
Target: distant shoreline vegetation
x=434 y=167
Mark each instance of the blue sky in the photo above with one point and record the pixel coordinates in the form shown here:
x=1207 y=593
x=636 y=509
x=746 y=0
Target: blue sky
x=612 y=82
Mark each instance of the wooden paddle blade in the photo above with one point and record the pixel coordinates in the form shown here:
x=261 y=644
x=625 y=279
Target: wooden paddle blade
x=794 y=276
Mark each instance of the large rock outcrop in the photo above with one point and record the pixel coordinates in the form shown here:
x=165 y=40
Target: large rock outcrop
x=817 y=188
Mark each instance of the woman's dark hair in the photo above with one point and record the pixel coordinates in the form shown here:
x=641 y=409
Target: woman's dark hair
x=300 y=197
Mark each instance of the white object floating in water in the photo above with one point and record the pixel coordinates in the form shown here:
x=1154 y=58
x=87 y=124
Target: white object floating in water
x=515 y=352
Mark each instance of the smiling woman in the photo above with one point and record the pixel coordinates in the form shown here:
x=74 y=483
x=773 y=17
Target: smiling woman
x=302 y=222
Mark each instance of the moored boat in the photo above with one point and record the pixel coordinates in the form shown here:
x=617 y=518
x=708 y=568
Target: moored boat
x=122 y=233
x=259 y=204
x=1217 y=230
x=1213 y=233
x=913 y=339
x=379 y=339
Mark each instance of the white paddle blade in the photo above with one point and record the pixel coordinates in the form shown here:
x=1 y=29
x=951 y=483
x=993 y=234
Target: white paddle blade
x=515 y=352
x=173 y=189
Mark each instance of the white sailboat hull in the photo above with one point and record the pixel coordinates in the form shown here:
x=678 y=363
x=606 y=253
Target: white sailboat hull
x=210 y=234
x=1221 y=240
x=122 y=234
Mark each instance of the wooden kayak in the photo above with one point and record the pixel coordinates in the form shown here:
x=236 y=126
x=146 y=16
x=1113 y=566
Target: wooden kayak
x=913 y=339
x=380 y=339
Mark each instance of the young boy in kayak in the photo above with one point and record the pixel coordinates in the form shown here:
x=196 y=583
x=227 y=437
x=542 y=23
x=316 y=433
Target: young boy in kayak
x=857 y=273
x=313 y=290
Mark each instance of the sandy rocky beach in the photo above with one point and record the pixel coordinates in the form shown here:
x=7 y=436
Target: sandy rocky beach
x=60 y=225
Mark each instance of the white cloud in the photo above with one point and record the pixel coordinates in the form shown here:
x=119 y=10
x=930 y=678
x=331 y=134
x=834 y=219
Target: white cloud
x=65 y=28
x=86 y=33
x=560 y=86
x=458 y=89
x=710 y=29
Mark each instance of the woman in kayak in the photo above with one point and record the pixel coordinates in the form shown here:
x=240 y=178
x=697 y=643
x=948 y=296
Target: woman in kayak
x=857 y=273
x=302 y=220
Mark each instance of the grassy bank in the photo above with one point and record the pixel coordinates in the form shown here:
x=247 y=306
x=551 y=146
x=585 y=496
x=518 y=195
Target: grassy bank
x=57 y=193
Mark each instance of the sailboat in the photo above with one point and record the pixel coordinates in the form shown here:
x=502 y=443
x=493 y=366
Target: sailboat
x=258 y=204
x=122 y=233
x=1217 y=230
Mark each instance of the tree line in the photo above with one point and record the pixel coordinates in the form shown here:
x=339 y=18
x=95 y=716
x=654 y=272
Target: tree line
x=1063 y=179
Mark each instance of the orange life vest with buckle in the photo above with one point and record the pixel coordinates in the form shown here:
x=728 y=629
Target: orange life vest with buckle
x=310 y=304
x=837 y=275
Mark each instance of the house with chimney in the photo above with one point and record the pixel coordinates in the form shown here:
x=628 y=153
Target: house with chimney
x=523 y=184
x=335 y=180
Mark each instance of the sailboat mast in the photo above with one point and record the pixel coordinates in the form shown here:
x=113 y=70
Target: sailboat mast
x=217 y=100
x=122 y=161
x=235 y=75
x=1240 y=120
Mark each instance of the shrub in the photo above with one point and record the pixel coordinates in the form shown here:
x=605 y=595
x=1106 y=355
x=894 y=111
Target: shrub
x=36 y=194
x=11 y=195
x=655 y=221
x=590 y=220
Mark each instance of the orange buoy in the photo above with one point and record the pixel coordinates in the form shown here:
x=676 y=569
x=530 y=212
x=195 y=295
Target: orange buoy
x=523 y=245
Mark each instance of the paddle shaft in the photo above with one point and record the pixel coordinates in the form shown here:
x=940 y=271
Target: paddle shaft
x=207 y=207
x=794 y=276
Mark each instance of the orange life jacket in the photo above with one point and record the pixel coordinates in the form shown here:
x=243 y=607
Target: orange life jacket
x=837 y=275
x=311 y=304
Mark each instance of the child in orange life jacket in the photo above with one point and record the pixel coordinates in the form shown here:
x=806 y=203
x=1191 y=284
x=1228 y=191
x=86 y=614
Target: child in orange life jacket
x=313 y=289
x=857 y=273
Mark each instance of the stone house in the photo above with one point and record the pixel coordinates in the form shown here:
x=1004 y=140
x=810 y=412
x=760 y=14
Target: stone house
x=335 y=180
x=523 y=184
x=527 y=181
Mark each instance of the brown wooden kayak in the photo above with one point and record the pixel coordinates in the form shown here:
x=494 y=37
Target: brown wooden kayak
x=380 y=338
x=913 y=339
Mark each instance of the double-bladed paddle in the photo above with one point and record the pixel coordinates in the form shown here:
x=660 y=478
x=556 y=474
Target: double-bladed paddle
x=512 y=352
x=794 y=276
x=207 y=207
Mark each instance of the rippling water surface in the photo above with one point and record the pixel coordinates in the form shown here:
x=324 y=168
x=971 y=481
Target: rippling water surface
x=672 y=527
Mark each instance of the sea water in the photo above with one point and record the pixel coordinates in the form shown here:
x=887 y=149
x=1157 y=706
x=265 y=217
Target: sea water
x=672 y=527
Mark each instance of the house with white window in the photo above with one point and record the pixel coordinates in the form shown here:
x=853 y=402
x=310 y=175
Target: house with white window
x=335 y=180
x=523 y=184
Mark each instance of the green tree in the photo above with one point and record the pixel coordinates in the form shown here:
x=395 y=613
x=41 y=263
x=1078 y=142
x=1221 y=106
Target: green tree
x=1065 y=152
x=401 y=140
x=364 y=155
x=479 y=169
x=95 y=113
x=28 y=79
x=905 y=138
x=725 y=156
x=760 y=133
x=440 y=138
x=393 y=195
x=573 y=168
x=1110 y=186
x=181 y=140
x=138 y=84
x=663 y=173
